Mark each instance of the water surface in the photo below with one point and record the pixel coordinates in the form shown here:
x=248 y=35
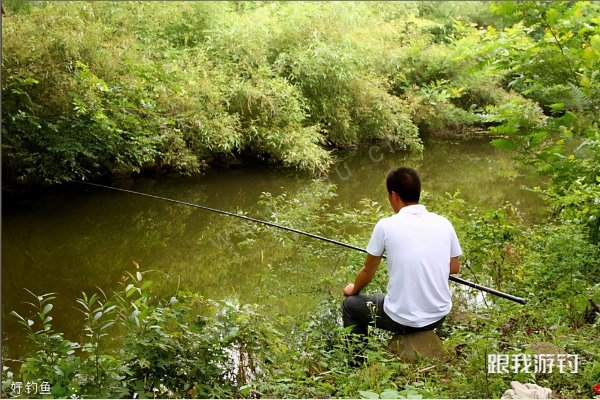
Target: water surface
x=79 y=238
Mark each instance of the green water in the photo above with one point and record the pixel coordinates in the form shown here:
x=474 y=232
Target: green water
x=79 y=238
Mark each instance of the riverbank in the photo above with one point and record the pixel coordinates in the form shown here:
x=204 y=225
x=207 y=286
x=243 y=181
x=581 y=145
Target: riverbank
x=75 y=237
x=177 y=344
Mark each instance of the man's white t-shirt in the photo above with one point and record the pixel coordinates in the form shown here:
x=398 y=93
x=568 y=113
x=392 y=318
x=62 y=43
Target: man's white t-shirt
x=419 y=245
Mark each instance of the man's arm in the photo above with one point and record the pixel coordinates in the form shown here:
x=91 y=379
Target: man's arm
x=364 y=275
x=454 y=265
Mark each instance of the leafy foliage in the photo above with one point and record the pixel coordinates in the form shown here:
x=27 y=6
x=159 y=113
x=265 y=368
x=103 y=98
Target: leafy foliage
x=135 y=341
x=557 y=69
x=286 y=83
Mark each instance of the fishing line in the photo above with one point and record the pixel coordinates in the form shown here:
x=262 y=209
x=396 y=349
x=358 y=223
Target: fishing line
x=498 y=293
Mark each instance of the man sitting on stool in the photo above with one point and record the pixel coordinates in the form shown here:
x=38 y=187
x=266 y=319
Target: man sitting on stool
x=422 y=251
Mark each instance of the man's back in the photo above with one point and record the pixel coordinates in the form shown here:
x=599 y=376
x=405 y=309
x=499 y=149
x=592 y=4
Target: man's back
x=422 y=251
x=419 y=245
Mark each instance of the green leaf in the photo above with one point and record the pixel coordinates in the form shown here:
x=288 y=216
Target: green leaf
x=109 y=309
x=47 y=308
x=390 y=394
x=232 y=333
x=146 y=284
x=103 y=327
x=504 y=144
x=368 y=395
x=245 y=390
x=557 y=108
x=413 y=394
x=14 y=313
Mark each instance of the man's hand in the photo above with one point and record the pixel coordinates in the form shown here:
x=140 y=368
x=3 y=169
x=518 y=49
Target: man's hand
x=364 y=275
x=349 y=289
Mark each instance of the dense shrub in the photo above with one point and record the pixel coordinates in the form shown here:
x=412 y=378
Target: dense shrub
x=93 y=89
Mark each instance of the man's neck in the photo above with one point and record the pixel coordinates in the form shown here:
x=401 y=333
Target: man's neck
x=403 y=204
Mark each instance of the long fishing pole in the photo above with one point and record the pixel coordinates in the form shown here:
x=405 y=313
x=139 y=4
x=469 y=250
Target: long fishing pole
x=516 y=299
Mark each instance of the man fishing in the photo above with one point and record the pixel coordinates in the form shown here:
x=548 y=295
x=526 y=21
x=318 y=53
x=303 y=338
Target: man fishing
x=421 y=249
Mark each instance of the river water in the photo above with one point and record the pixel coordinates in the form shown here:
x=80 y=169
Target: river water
x=78 y=238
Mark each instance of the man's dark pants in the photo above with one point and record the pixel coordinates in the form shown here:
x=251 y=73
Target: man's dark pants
x=360 y=311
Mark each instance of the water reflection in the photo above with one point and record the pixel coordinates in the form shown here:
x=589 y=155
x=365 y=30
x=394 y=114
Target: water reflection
x=81 y=238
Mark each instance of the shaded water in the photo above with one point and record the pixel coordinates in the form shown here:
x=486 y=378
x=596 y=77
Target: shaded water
x=80 y=238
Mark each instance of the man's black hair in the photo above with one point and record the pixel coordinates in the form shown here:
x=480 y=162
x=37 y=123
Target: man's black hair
x=406 y=183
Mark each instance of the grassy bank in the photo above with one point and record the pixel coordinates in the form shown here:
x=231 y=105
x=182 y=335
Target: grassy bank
x=138 y=341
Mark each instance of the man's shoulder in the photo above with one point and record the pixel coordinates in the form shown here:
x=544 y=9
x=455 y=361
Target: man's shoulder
x=440 y=218
x=385 y=221
x=394 y=220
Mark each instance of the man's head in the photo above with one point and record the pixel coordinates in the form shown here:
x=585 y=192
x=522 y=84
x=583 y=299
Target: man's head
x=404 y=187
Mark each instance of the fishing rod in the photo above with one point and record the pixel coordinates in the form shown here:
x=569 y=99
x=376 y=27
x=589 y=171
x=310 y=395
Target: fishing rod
x=495 y=292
